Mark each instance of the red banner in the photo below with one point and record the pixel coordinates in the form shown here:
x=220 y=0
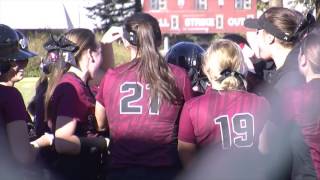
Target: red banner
x=214 y=19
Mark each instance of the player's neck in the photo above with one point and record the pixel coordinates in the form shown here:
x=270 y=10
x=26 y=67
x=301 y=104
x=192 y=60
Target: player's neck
x=280 y=57
x=8 y=83
x=134 y=53
x=5 y=81
x=83 y=75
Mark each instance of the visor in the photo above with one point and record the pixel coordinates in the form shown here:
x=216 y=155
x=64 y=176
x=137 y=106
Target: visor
x=263 y=23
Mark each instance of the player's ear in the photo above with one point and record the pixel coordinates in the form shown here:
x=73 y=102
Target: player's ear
x=269 y=38
x=303 y=61
x=90 y=55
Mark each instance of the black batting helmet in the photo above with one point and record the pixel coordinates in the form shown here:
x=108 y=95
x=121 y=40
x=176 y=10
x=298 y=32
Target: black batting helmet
x=9 y=45
x=189 y=55
x=23 y=44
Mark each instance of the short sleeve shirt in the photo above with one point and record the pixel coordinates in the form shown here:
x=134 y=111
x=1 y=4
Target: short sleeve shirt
x=143 y=131
x=73 y=98
x=302 y=108
x=229 y=119
x=12 y=109
x=12 y=106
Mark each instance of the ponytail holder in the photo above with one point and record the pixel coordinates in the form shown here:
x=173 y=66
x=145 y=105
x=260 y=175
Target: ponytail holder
x=61 y=47
x=227 y=72
x=305 y=24
x=224 y=74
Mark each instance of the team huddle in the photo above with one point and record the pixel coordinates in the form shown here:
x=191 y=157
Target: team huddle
x=215 y=113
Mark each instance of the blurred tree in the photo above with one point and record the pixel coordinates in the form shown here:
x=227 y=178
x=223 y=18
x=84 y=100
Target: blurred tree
x=262 y=5
x=307 y=6
x=317 y=4
x=303 y=5
x=113 y=12
x=275 y=3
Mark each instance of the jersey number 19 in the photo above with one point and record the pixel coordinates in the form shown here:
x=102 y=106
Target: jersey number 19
x=242 y=125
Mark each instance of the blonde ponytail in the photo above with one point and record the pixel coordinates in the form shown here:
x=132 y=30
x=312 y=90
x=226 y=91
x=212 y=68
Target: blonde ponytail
x=224 y=66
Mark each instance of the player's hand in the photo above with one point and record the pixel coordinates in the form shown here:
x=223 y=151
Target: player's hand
x=114 y=33
x=43 y=141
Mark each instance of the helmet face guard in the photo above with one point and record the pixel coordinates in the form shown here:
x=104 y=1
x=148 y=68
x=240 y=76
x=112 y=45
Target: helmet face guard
x=56 y=57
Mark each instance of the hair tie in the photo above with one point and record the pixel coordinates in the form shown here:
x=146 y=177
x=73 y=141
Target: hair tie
x=224 y=74
x=305 y=24
x=227 y=73
x=58 y=48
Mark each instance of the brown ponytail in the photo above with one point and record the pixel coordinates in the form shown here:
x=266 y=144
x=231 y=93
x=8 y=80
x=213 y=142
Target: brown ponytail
x=84 y=39
x=57 y=71
x=152 y=67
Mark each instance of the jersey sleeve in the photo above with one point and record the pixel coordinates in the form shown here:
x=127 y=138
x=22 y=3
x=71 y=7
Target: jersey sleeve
x=186 y=128
x=15 y=108
x=68 y=104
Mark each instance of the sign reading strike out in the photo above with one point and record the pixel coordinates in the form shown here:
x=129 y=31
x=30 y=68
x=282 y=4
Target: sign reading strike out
x=186 y=19
x=178 y=24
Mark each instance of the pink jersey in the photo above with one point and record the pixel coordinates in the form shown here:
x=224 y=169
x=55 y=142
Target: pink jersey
x=142 y=131
x=302 y=106
x=230 y=119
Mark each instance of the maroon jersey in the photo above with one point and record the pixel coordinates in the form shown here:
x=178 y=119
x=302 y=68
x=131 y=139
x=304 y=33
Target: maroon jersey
x=72 y=98
x=12 y=106
x=12 y=109
x=226 y=118
x=302 y=106
x=143 y=132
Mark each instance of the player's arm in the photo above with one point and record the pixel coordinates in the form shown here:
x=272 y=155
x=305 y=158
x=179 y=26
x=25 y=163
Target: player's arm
x=113 y=34
x=101 y=117
x=65 y=140
x=186 y=136
x=19 y=142
x=265 y=137
x=186 y=152
x=16 y=128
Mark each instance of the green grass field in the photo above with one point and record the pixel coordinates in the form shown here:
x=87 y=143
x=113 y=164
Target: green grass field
x=27 y=88
x=27 y=85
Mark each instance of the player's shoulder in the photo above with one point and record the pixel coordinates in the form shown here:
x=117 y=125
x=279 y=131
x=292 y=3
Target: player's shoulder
x=176 y=70
x=194 y=102
x=72 y=80
x=252 y=95
x=122 y=69
x=10 y=94
x=9 y=91
x=259 y=98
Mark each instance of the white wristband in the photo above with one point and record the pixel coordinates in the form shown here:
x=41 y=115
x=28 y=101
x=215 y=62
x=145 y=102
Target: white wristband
x=35 y=144
x=107 y=141
x=51 y=138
